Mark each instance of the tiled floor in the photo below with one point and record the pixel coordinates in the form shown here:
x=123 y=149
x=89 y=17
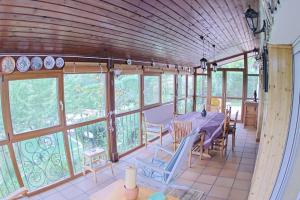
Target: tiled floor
x=219 y=179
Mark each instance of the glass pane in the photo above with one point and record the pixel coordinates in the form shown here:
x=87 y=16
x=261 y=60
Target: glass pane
x=236 y=105
x=151 y=90
x=234 y=84
x=189 y=105
x=201 y=86
x=217 y=83
x=42 y=160
x=33 y=104
x=200 y=103
x=8 y=180
x=253 y=84
x=167 y=87
x=84 y=97
x=181 y=107
x=2 y=131
x=127 y=93
x=128 y=132
x=85 y=138
x=181 y=86
x=235 y=64
x=253 y=66
x=190 y=85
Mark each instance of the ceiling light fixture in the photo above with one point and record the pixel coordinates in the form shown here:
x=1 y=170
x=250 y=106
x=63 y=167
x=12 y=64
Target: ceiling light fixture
x=252 y=20
x=203 y=60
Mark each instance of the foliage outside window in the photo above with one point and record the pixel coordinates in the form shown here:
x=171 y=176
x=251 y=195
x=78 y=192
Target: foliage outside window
x=8 y=179
x=189 y=105
x=2 y=131
x=234 y=64
x=253 y=68
x=253 y=84
x=42 y=160
x=234 y=84
x=200 y=103
x=181 y=107
x=217 y=82
x=151 y=90
x=33 y=104
x=167 y=87
x=85 y=138
x=236 y=105
x=190 y=85
x=201 y=86
x=84 y=97
x=128 y=132
x=127 y=95
x=181 y=86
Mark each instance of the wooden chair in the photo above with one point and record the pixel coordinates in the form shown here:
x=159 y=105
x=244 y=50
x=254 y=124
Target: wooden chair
x=232 y=129
x=180 y=130
x=220 y=143
x=21 y=192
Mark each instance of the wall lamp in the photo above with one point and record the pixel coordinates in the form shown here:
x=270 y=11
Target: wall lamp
x=252 y=20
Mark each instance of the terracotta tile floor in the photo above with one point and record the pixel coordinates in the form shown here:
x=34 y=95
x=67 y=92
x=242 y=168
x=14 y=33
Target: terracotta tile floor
x=219 y=179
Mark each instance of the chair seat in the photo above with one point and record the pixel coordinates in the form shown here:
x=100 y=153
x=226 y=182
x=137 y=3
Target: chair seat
x=231 y=129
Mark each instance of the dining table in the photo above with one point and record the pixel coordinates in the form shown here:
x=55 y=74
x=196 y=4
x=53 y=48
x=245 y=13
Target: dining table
x=203 y=125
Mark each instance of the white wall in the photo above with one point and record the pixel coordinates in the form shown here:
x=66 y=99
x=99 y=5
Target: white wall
x=286 y=30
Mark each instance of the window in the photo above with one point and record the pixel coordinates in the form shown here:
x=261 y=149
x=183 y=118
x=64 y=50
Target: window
x=234 y=84
x=201 y=86
x=234 y=64
x=84 y=97
x=181 y=86
x=127 y=95
x=190 y=86
x=253 y=84
x=42 y=160
x=253 y=67
x=85 y=138
x=189 y=105
x=33 y=104
x=151 y=90
x=167 y=87
x=8 y=180
x=2 y=131
x=128 y=132
x=200 y=103
x=217 y=82
x=181 y=107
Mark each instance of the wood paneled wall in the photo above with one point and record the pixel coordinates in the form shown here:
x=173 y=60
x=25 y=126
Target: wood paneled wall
x=275 y=123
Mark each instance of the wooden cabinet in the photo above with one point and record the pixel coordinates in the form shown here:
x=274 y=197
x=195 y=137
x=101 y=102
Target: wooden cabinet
x=250 y=114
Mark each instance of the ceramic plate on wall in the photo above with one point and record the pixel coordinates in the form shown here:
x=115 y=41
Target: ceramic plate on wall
x=49 y=62
x=60 y=62
x=23 y=64
x=36 y=63
x=8 y=64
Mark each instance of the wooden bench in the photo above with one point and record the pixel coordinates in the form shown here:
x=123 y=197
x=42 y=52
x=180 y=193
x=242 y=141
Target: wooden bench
x=156 y=121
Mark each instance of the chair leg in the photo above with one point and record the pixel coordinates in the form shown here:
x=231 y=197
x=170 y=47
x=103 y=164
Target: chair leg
x=233 y=140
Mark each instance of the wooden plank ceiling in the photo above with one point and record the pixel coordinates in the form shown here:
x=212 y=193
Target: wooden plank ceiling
x=166 y=31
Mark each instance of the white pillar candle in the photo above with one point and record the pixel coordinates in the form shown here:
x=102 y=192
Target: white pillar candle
x=130 y=178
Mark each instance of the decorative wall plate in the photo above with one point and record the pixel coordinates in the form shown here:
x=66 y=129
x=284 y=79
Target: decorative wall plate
x=8 y=64
x=59 y=62
x=23 y=64
x=49 y=62
x=36 y=63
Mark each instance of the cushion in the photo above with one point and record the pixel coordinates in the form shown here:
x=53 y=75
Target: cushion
x=159 y=114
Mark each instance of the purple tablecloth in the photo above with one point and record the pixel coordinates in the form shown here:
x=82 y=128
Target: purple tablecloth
x=206 y=125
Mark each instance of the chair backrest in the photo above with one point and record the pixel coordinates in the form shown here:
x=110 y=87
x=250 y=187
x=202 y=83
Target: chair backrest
x=236 y=117
x=228 y=111
x=159 y=114
x=180 y=156
x=181 y=129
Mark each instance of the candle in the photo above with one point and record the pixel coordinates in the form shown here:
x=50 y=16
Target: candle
x=130 y=178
